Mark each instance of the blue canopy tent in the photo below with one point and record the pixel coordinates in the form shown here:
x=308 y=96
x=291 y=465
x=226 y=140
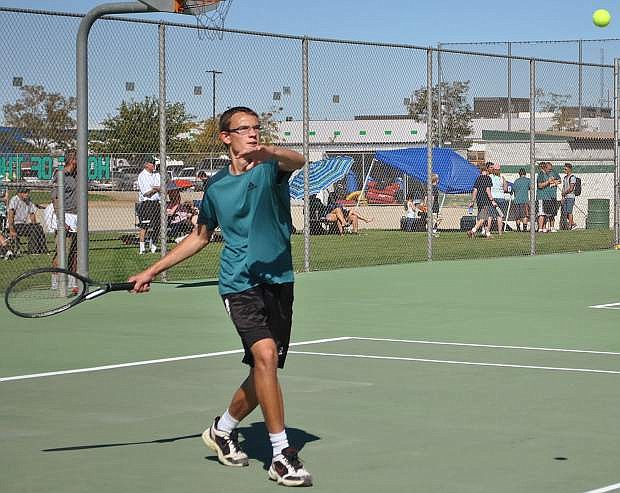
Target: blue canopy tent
x=456 y=174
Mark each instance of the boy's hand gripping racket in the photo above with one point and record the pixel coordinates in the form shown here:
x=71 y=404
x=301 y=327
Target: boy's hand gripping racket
x=48 y=291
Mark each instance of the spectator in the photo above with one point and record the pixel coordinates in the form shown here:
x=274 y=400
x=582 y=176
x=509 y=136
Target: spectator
x=353 y=218
x=70 y=205
x=481 y=195
x=4 y=199
x=568 y=195
x=411 y=206
x=181 y=215
x=521 y=203
x=435 y=207
x=499 y=188
x=547 y=183
x=149 y=183
x=22 y=221
x=345 y=218
x=5 y=248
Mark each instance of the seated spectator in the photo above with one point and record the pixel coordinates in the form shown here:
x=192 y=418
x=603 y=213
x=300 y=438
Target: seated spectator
x=345 y=218
x=182 y=216
x=411 y=208
x=5 y=248
x=22 y=221
x=435 y=207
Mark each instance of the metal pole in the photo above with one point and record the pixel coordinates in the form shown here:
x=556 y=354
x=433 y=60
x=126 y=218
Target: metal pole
x=439 y=98
x=82 y=116
x=214 y=73
x=616 y=154
x=306 y=149
x=580 y=82
x=532 y=157
x=61 y=237
x=509 y=86
x=163 y=195
x=429 y=155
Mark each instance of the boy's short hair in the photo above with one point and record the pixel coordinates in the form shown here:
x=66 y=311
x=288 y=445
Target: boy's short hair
x=227 y=115
x=568 y=165
x=522 y=172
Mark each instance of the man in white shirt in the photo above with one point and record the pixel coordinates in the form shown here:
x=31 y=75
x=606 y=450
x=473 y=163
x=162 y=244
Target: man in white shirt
x=148 y=205
x=22 y=221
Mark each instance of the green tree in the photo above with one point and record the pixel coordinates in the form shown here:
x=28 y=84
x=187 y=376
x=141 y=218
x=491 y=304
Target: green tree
x=269 y=125
x=556 y=103
x=135 y=128
x=206 y=138
x=44 y=118
x=456 y=112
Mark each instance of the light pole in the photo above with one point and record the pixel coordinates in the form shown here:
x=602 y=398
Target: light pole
x=214 y=73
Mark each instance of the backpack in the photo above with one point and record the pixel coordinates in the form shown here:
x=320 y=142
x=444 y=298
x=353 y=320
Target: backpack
x=577 y=189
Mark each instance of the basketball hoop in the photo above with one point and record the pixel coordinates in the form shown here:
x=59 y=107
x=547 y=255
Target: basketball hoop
x=210 y=15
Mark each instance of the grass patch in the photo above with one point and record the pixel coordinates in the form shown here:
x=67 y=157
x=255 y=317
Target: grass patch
x=114 y=261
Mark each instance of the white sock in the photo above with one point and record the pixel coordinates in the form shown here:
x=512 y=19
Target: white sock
x=227 y=423
x=279 y=442
x=141 y=246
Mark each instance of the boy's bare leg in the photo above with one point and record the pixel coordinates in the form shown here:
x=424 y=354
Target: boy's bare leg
x=266 y=386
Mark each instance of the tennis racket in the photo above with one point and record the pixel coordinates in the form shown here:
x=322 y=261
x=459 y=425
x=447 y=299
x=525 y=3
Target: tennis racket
x=48 y=291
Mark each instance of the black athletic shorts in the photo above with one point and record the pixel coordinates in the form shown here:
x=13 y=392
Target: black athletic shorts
x=148 y=212
x=262 y=312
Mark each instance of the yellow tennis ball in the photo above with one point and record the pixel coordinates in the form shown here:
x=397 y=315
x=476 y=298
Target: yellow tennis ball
x=601 y=17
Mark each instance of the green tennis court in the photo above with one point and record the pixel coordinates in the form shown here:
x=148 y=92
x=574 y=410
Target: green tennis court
x=474 y=376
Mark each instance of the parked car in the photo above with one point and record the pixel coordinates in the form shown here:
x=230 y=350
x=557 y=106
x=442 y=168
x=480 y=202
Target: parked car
x=206 y=169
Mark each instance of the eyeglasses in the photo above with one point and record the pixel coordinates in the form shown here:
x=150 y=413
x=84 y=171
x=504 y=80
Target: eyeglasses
x=244 y=130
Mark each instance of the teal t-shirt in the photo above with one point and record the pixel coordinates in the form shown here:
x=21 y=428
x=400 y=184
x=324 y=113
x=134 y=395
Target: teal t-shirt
x=521 y=189
x=253 y=211
x=547 y=193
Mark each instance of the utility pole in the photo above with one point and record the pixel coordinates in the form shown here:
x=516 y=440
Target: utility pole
x=214 y=73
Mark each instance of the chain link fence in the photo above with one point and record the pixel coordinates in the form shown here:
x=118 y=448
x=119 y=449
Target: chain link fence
x=368 y=101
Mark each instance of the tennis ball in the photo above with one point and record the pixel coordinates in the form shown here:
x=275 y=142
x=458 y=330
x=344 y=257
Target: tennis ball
x=601 y=17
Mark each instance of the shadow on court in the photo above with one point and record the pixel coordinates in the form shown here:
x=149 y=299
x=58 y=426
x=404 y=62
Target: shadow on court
x=120 y=444
x=256 y=442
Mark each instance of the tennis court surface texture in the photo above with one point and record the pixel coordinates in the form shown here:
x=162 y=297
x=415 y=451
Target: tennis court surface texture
x=495 y=375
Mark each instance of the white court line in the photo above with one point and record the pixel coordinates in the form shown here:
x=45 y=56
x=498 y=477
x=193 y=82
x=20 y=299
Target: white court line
x=151 y=362
x=605 y=489
x=610 y=306
x=451 y=362
x=528 y=348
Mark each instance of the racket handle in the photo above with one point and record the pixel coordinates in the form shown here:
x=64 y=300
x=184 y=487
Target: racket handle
x=120 y=286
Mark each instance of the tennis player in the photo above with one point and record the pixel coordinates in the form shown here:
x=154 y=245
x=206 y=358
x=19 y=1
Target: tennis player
x=249 y=201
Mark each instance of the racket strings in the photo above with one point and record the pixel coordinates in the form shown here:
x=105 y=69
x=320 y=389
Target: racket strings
x=44 y=292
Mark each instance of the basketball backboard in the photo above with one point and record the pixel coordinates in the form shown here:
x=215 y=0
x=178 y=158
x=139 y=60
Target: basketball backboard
x=181 y=6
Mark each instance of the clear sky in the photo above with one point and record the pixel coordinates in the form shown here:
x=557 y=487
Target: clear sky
x=423 y=22
x=369 y=80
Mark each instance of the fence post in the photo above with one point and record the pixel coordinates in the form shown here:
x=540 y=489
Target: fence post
x=580 y=83
x=61 y=236
x=81 y=96
x=509 y=86
x=306 y=151
x=532 y=157
x=163 y=195
x=439 y=99
x=616 y=114
x=429 y=154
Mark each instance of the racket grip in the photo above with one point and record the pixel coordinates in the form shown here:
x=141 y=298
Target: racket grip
x=121 y=286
